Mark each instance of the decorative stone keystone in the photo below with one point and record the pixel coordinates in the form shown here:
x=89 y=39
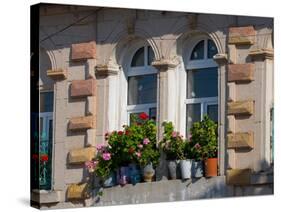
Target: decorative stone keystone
x=240 y=108
x=82 y=51
x=82 y=123
x=242 y=140
x=238 y=177
x=107 y=69
x=57 y=74
x=261 y=54
x=82 y=88
x=78 y=156
x=242 y=35
x=77 y=191
x=241 y=72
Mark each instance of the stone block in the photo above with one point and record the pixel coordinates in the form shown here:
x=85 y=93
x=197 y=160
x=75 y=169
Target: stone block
x=242 y=35
x=82 y=88
x=57 y=74
x=77 y=191
x=82 y=51
x=231 y=91
x=82 y=123
x=240 y=108
x=238 y=177
x=261 y=54
x=91 y=137
x=231 y=124
x=91 y=105
x=231 y=159
x=232 y=54
x=43 y=196
x=241 y=140
x=82 y=155
x=241 y=72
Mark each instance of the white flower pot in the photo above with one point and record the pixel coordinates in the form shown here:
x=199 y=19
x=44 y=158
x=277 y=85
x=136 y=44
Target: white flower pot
x=185 y=166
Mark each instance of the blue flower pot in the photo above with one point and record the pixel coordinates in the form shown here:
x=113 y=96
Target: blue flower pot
x=110 y=180
x=134 y=174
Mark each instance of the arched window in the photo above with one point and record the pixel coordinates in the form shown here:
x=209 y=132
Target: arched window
x=142 y=84
x=202 y=83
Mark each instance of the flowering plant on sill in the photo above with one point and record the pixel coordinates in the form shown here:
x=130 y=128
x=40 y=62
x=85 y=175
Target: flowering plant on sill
x=173 y=143
x=204 y=139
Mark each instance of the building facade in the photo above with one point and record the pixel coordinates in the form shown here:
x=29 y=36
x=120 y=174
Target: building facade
x=98 y=66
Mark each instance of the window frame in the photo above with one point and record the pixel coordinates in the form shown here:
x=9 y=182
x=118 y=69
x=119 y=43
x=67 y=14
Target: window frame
x=200 y=64
x=140 y=71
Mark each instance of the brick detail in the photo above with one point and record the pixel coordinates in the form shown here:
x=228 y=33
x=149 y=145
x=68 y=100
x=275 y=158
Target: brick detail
x=242 y=35
x=240 y=108
x=82 y=123
x=238 y=177
x=82 y=88
x=241 y=72
x=231 y=124
x=57 y=74
x=82 y=51
x=78 y=156
x=77 y=191
x=241 y=140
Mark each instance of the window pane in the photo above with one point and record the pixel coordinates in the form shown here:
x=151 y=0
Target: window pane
x=138 y=59
x=150 y=56
x=46 y=101
x=202 y=83
x=212 y=111
x=193 y=114
x=152 y=113
x=142 y=89
x=212 y=49
x=198 y=51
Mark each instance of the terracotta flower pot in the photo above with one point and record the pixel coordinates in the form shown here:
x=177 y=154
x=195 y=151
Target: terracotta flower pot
x=211 y=167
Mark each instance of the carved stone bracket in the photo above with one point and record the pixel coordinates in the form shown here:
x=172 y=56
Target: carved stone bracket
x=107 y=69
x=261 y=54
x=165 y=64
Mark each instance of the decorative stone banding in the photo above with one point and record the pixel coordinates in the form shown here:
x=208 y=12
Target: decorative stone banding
x=242 y=35
x=82 y=88
x=82 y=123
x=241 y=140
x=78 y=156
x=240 y=108
x=77 y=191
x=238 y=177
x=241 y=72
x=57 y=74
x=83 y=51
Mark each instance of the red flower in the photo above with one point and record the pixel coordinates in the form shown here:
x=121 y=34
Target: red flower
x=143 y=116
x=120 y=132
x=44 y=158
x=131 y=150
x=35 y=157
x=127 y=132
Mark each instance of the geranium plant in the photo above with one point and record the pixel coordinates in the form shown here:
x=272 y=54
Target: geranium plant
x=172 y=143
x=204 y=139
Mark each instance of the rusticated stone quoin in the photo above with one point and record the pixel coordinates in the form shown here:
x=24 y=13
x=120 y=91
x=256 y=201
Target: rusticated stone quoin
x=82 y=51
x=82 y=88
x=241 y=72
x=57 y=74
x=238 y=177
x=242 y=35
x=78 y=156
x=241 y=140
x=240 y=108
x=82 y=123
x=77 y=191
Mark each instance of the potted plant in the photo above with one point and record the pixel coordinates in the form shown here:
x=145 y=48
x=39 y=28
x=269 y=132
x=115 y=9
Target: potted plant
x=173 y=145
x=204 y=138
x=195 y=150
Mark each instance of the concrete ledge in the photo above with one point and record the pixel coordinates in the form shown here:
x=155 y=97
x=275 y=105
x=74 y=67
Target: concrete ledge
x=43 y=196
x=261 y=178
x=238 y=177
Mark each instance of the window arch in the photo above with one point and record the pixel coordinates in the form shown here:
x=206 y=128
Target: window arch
x=202 y=83
x=142 y=83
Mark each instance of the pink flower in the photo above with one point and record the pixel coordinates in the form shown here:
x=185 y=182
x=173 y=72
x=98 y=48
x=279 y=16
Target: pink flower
x=138 y=154
x=174 y=134
x=146 y=141
x=140 y=146
x=189 y=136
x=100 y=147
x=91 y=165
x=197 y=146
x=106 y=156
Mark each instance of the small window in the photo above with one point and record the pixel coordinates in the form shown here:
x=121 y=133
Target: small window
x=198 y=51
x=138 y=59
x=212 y=49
